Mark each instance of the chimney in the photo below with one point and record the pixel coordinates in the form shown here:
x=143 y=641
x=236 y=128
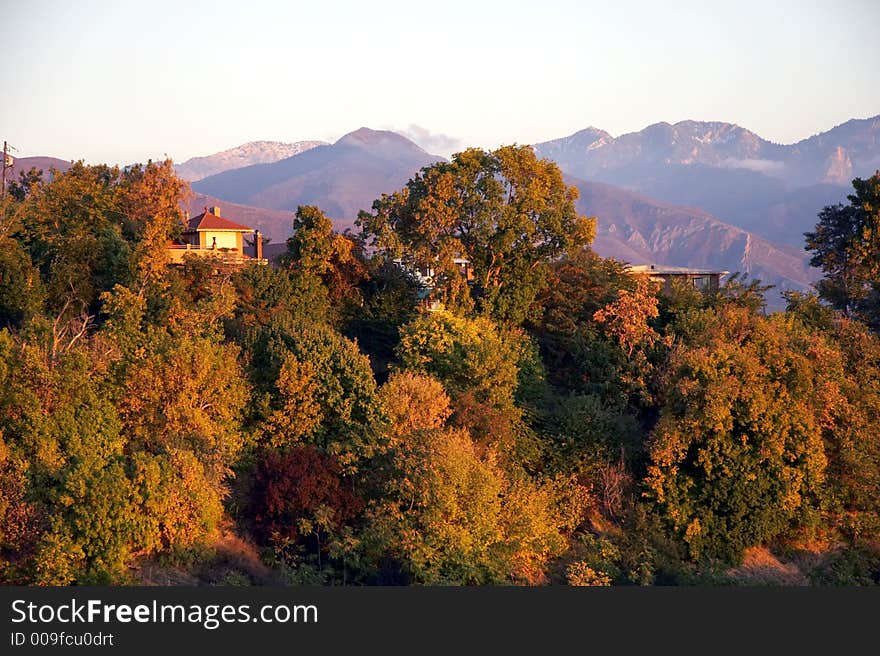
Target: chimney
x=215 y=211
x=258 y=244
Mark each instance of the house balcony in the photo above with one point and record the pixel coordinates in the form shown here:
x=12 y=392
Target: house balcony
x=177 y=253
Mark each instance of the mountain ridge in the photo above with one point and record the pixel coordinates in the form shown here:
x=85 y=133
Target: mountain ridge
x=722 y=144
x=727 y=170
x=338 y=177
x=252 y=152
x=641 y=230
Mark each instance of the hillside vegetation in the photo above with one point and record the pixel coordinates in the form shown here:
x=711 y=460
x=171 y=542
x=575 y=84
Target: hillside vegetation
x=555 y=420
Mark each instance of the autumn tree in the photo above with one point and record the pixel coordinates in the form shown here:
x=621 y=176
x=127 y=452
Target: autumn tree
x=71 y=228
x=414 y=402
x=466 y=354
x=150 y=197
x=450 y=515
x=581 y=332
x=92 y=227
x=852 y=387
x=22 y=518
x=180 y=392
x=478 y=364
x=299 y=498
x=63 y=444
x=507 y=212
x=626 y=320
x=737 y=457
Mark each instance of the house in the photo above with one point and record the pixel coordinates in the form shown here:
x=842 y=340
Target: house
x=702 y=279
x=210 y=235
x=425 y=275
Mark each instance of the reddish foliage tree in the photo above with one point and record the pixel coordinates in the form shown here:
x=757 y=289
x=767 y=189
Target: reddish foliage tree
x=298 y=494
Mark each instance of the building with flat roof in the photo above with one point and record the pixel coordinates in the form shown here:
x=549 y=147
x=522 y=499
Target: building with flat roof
x=702 y=279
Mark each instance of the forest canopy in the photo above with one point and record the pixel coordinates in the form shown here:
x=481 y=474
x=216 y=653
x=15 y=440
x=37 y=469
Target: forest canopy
x=544 y=417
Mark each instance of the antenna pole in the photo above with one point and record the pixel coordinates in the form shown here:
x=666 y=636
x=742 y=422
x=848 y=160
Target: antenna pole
x=3 y=188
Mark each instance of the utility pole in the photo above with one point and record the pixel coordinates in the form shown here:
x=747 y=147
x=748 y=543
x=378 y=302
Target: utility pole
x=7 y=164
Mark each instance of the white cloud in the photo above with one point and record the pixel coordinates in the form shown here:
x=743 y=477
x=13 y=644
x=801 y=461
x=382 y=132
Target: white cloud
x=434 y=142
x=767 y=166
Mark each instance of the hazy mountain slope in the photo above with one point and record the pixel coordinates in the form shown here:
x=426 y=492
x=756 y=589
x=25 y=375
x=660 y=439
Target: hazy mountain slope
x=640 y=230
x=24 y=164
x=341 y=178
x=838 y=155
x=254 y=152
x=747 y=199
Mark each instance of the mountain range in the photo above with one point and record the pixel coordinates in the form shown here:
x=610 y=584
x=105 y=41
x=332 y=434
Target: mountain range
x=699 y=194
x=771 y=189
x=341 y=178
x=348 y=175
x=254 y=152
x=832 y=157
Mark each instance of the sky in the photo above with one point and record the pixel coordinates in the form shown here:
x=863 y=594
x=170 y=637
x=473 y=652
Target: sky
x=123 y=81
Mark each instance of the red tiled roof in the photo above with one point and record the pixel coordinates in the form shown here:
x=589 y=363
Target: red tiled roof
x=208 y=221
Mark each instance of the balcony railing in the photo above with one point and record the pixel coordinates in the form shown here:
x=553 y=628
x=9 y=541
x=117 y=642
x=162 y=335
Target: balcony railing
x=177 y=252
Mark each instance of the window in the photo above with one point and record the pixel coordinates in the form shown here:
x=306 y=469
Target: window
x=702 y=282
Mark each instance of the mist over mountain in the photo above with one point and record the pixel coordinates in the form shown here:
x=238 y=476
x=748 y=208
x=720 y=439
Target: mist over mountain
x=773 y=189
x=341 y=178
x=254 y=152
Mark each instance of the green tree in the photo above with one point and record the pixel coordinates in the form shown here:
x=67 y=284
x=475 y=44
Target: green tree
x=21 y=289
x=323 y=264
x=846 y=246
x=509 y=213
x=71 y=228
x=316 y=387
x=63 y=442
x=849 y=421
x=467 y=355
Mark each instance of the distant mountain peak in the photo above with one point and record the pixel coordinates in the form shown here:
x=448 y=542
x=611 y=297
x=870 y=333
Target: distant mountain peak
x=591 y=131
x=252 y=152
x=369 y=138
x=693 y=124
x=341 y=178
x=361 y=134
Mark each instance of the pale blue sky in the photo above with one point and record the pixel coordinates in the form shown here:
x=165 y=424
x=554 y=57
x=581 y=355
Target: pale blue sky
x=121 y=81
